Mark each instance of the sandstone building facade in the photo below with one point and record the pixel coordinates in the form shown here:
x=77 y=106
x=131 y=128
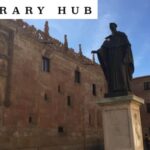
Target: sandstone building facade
x=141 y=87
x=48 y=92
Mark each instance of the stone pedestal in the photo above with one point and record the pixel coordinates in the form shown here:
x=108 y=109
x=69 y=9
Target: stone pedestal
x=122 y=123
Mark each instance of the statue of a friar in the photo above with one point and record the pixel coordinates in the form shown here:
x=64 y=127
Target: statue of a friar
x=115 y=57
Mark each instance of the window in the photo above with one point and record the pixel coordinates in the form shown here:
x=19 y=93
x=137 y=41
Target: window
x=69 y=100
x=77 y=76
x=59 y=89
x=146 y=85
x=30 y=120
x=45 y=64
x=45 y=97
x=94 y=89
x=148 y=107
x=60 y=129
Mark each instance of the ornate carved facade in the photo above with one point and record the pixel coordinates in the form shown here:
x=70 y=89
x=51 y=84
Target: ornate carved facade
x=48 y=92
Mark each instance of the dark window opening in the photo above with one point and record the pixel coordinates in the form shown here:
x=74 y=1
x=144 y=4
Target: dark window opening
x=30 y=120
x=77 y=76
x=146 y=85
x=60 y=129
x=45 y=97
x=148 y=107
x=45 y=64
x=94 y=89
x=59 y=89
x=69 y=100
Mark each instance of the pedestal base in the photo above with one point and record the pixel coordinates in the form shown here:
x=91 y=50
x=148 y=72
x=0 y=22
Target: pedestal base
x=122 y=123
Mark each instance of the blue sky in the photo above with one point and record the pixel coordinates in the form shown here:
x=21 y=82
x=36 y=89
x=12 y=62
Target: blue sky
x=132 y=17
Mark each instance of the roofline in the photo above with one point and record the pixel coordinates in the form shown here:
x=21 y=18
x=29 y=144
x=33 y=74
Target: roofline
x=136 y=78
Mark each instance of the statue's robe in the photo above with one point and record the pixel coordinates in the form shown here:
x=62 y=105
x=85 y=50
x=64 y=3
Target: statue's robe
x=116 y=59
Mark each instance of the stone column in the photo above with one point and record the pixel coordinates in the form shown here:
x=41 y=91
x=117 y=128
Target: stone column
x=122 y=123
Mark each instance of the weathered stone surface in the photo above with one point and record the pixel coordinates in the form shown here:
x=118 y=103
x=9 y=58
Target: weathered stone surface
x=29 y=122
x=138 y=89
x=122 y=123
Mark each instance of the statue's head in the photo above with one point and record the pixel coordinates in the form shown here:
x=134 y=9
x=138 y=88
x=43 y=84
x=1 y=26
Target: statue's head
x=113 y=27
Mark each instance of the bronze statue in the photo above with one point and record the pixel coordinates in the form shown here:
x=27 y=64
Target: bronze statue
x=115 y=57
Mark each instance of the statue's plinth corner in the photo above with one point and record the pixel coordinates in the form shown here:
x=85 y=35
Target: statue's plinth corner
x=122 y=122
x=121 y=99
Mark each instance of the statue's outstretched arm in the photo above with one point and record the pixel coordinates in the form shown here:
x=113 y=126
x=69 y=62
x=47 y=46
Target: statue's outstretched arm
x=94 y=52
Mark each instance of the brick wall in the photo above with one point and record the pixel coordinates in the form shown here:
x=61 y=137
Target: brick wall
x=34 y=111
x=139 y=90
